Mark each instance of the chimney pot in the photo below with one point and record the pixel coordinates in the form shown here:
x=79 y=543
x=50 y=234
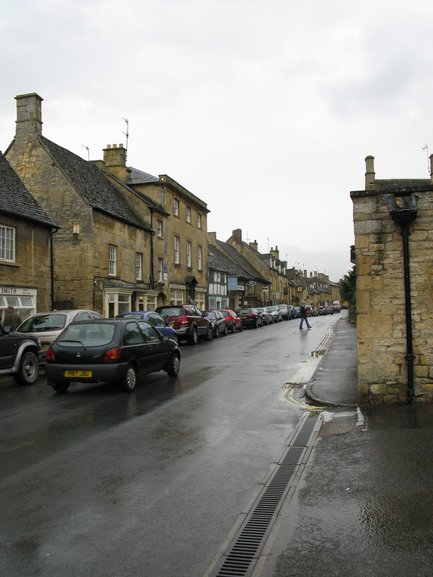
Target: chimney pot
x=369 y=172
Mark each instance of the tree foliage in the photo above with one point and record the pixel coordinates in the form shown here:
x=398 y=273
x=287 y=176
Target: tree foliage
x=348 y=288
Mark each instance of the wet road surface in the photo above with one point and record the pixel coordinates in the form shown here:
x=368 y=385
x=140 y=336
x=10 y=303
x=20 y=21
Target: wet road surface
x=98 y=482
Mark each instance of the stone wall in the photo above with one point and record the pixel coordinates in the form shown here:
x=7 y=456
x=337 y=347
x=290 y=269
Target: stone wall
x=382 y=313
x=31 y=268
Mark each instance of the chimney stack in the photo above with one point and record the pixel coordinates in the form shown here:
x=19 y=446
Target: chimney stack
x=29 y=116
x=115 y=161
x=237 y=236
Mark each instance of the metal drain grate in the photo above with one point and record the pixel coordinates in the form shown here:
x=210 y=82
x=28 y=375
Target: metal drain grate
x=244 y=550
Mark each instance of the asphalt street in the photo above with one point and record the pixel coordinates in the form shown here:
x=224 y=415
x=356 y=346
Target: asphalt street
x=98 y=482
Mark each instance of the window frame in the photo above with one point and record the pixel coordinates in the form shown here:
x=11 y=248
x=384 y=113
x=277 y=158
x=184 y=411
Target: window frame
x=160 y=269
x=199 y=258
x=176 y=249
x=189 y=254
x=138 y=266
x=176 y=206
x=159 y=228
x=7 y=243
x=112 y=260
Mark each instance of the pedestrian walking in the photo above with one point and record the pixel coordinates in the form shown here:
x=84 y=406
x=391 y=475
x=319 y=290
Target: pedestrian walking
x=11 y=319
x=304 y=316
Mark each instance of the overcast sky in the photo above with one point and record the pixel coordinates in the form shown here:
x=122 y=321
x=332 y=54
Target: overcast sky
x=265 y=109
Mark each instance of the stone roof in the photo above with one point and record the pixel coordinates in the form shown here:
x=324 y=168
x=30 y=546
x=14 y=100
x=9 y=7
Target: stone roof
x=16 y=200
x=221 y=262
x=92 y=184
x=139 y=177
x=401 y=184
x=249 y=271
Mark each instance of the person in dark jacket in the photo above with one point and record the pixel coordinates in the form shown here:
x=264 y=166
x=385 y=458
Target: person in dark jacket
x=304 y=316
x=11 y=319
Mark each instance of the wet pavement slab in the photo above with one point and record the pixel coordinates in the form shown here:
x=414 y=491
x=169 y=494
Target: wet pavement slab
x=364 y=506
x=364 y=503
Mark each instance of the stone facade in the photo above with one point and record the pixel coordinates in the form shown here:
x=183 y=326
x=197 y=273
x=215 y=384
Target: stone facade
x=103 y=228
x=393 y=298
x=25 y=281
x=275 y=288
x=25 y=247
x=179 y=220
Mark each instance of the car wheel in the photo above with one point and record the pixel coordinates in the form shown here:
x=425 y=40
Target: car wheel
x=60 y=387
x=193 y=337
x=129 y=380
x=256 y=324
x=209 y=335
x=225 y=331
x=28 y=371
x=173 y=366
x=216 y=333
x=233 y=328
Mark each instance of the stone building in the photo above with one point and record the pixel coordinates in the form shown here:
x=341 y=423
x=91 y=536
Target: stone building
x=276 y=288
x=243 y=283
x=101 y=254
x=26 y=234
x=279 y=288
x=393 y=221
x=179 y=247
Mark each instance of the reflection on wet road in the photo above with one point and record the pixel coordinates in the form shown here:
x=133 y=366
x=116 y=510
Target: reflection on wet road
x=98 y=482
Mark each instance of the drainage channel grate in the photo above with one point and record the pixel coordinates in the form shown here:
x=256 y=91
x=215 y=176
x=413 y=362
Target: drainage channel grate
x=244 y=550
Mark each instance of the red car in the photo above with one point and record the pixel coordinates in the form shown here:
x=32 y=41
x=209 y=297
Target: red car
x=233 y=322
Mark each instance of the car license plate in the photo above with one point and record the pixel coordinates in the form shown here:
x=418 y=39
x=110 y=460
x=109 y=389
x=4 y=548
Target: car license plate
x=77 y=374
x=45 y=346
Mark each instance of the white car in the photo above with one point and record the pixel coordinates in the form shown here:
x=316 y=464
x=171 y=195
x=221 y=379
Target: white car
x=47 y=326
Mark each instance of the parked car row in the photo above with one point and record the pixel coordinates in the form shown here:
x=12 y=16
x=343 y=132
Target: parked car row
x=81 y=346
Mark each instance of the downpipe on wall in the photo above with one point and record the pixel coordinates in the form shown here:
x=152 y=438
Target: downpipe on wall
x=404 y=216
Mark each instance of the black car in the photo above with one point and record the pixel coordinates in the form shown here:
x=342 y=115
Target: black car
x=250 y=317
x=19 y=356
x=109 y=350
x=217 y=321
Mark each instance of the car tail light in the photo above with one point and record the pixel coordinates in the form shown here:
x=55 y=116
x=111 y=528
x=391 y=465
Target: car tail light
x=112 y=354
x=50 y=357
x=184 y=320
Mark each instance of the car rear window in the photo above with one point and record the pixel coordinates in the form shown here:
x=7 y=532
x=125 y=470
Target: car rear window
x=42 y=323
x=171 y=312
x=87 y=335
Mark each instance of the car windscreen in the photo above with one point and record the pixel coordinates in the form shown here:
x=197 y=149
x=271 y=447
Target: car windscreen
x=171 y=312
x=43 y=323
x=87 y=335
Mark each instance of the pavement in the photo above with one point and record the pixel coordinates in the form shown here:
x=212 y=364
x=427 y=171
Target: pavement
x=362 y=504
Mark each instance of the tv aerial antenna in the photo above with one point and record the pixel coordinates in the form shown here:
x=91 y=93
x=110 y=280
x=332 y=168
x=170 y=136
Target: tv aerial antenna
x=126 y=121
x=88 y=151
x=425 y=147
